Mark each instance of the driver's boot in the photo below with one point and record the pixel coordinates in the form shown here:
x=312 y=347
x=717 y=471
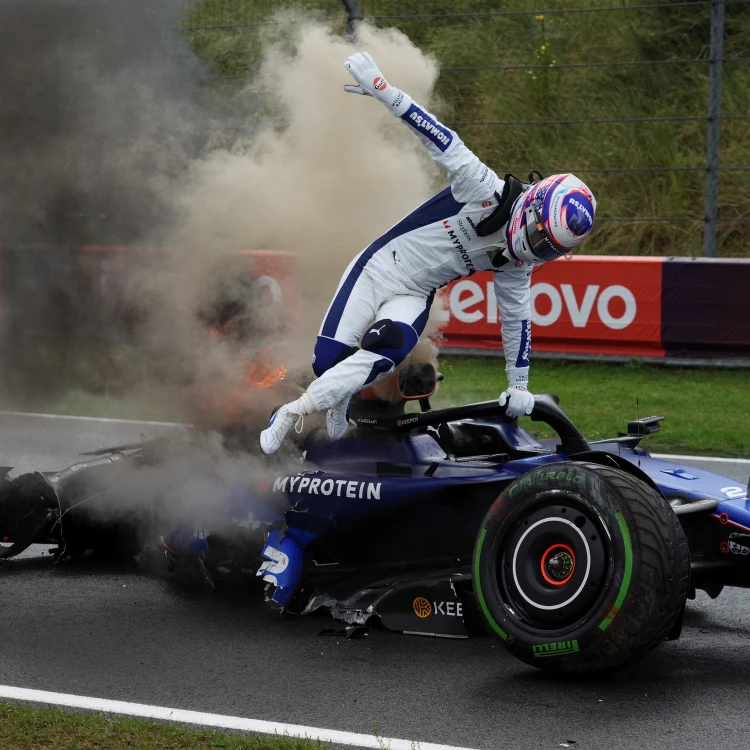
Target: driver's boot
x=281 y=422
x=337 y=419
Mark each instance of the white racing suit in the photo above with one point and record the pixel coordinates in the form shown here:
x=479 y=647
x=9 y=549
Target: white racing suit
x=383 y=300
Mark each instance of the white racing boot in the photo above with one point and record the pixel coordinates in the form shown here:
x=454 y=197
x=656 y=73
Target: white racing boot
x=281 y=422
x=337 y=419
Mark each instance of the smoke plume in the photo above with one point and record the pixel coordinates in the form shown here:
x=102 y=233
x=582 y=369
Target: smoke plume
x=109 y=137
x=321 y=178
x=99 y=109
x=325 y=176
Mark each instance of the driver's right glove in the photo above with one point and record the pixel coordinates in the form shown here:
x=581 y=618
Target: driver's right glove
x=517 y=397
x=519 y=401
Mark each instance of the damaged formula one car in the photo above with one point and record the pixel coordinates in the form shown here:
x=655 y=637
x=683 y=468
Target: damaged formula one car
x=578 y=555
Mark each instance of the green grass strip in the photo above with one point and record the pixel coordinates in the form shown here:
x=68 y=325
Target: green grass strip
x=478 y=587
x=626 y=577
x=600 y=398
x=24 y=727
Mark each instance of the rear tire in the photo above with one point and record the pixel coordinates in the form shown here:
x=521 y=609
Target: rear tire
x=581 y=568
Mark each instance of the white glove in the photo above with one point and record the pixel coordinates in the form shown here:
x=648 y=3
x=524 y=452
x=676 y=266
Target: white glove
x=519 y=401
x=371 y=82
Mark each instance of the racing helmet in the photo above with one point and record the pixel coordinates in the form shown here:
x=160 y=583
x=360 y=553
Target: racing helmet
x=550 y=219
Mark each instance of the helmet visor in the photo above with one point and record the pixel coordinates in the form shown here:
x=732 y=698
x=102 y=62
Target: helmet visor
x=539 y=241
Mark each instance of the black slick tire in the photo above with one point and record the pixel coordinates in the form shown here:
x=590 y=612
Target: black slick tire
x=581 y=568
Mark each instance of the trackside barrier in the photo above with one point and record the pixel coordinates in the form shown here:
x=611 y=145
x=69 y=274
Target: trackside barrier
x=706 y=307
x=586 y=305
x=615 y=305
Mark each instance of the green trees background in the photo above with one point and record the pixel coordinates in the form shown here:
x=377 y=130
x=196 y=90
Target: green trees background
x=561 y=70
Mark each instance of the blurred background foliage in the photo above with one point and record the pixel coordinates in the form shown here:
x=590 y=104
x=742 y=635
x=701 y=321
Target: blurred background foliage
x=515 y=61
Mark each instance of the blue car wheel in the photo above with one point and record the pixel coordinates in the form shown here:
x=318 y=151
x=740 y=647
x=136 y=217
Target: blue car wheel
x=581 y=568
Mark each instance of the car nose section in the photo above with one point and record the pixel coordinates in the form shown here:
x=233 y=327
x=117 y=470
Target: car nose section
x=673 y=478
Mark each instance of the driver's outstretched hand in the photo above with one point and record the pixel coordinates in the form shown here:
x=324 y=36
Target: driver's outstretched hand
x=371 y=82
x=365 y=72
x=519 y=401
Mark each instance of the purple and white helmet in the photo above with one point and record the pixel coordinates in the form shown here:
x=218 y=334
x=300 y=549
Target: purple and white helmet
x=550 y=219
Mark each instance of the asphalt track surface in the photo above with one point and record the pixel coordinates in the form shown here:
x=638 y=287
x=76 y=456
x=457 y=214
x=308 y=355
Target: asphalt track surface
x=111 y=632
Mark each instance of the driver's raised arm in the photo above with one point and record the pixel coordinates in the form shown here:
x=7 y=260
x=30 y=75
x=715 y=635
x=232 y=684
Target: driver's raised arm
x=471 y=180
x=513 y=292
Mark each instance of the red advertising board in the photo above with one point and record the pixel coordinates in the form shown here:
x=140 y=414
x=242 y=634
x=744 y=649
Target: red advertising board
x=628 y=306
x=585 y=304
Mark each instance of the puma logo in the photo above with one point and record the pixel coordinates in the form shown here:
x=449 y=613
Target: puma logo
x=376 y=331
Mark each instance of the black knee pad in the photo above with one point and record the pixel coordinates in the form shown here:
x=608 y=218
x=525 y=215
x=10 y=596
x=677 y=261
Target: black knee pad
x=383 y=334
x=391 y=339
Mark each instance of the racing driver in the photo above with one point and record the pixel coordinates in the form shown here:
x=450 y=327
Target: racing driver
x=480 y=222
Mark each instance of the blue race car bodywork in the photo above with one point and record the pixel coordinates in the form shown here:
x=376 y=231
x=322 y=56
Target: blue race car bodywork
x=382 y=524
x=379 y=527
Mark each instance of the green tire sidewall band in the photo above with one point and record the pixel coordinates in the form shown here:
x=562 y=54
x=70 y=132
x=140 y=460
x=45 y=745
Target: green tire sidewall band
x=604 y=624
x=478 y=588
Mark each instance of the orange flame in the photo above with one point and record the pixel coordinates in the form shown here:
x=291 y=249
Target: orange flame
x=259 y=376
x=225 y=329
x=234 y=401
x=261 y=373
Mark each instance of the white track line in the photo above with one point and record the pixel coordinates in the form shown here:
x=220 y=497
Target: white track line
x=106 y=420
x=215 y=720
x=717 y=459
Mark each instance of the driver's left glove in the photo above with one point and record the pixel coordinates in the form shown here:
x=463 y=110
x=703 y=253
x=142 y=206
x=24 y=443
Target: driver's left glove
x=371 y=82
x=519 y=401
x=517 y=397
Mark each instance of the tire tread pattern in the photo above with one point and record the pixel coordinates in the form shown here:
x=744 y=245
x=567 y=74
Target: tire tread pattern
x=660 y=575
x=661 y=569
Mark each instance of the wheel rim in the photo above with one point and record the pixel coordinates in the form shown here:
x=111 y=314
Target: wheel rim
x=554 y=565
x=558 y=564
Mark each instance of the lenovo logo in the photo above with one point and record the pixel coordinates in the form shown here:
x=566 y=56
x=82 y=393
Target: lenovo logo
x=580 y=309
x=613 y=306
